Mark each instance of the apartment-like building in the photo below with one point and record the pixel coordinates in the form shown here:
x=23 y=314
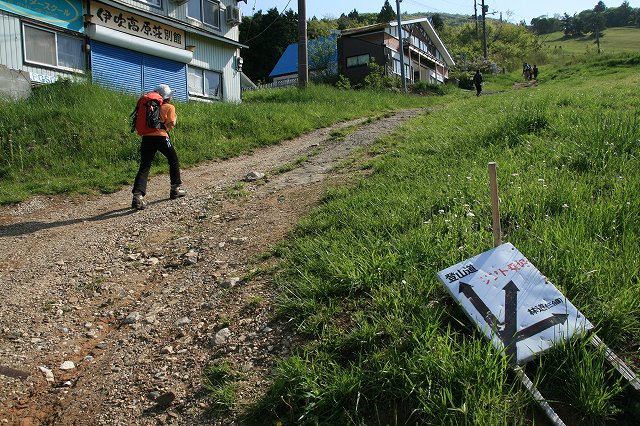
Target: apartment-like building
x=425 y=56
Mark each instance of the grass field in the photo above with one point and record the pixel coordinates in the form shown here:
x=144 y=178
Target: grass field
x=386 y=345
x=384 y=342
x=75 y=138
x=612 y=41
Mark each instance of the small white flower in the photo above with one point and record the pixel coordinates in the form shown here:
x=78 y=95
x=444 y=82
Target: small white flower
x=441 y=211
x=470 y=214
x=565 y=205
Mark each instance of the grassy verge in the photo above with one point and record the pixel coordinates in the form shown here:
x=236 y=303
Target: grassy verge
x=386 y=344
x=74 y=138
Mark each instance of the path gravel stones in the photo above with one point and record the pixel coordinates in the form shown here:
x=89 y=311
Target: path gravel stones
x=110 y=316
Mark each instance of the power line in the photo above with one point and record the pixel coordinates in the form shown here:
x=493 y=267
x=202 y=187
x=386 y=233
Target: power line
x=269 y=26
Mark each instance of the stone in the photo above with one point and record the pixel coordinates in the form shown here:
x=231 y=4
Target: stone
x=165 y=399
x=222 y=336
x=253 y=176
x=132 y=318
x=67 y=365
x=182 y=321
x=48 y=374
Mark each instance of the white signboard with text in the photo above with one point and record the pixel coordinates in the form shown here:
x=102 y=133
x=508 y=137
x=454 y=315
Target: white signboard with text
x=515 y=306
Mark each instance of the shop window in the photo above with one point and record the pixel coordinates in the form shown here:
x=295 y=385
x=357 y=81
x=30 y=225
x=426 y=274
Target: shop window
x=205 y=11
x=54 y=49
x=356 y=61
x=205 y=83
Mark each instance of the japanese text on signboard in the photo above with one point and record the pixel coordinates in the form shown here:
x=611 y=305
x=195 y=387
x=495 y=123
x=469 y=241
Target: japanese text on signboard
x=132 y=24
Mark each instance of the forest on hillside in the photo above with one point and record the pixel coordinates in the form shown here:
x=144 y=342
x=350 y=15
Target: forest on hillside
x=269 y=33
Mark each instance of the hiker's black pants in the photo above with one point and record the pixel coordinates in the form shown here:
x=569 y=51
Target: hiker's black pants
x=148 y=148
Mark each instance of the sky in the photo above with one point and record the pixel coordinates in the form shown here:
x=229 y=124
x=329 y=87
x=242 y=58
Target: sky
x=513 y=11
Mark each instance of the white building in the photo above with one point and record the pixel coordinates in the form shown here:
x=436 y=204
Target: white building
x=130 y=45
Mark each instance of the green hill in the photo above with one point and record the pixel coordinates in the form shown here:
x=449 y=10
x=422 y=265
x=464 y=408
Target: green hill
x=612 y=41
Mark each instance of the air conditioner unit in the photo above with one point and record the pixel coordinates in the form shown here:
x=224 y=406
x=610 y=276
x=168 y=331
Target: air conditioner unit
x=234 y=16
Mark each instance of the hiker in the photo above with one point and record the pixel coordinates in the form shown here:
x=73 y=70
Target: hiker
x=153 y=140
x=535 y=72
x=478 y=80
x=526 y=71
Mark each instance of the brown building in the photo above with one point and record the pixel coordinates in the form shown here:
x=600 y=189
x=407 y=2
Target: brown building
x=425 y=56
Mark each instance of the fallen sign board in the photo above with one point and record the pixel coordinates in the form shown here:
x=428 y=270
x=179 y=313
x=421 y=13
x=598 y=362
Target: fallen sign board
x=515 y=306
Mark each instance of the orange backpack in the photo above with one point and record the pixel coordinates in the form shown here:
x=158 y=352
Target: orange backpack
x=146 y=114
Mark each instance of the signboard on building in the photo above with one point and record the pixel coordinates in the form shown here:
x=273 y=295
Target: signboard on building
x=515 y=306
x=61 y=13
x=136 y=25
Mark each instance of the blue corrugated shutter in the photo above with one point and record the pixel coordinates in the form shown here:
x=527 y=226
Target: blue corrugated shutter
x=116 y=68
x=163 y=71
x=135 y=72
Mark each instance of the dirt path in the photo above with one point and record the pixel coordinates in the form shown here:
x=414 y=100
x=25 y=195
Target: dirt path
x=143 y=302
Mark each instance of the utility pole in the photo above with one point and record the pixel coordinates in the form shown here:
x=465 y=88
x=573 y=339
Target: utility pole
x=402 y=76
x=485 y=9
x=303 y=53
x=475 y=15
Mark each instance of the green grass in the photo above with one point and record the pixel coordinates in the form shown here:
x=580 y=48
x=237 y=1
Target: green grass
x=612 y=41
x=74 y=138
x=386 y=344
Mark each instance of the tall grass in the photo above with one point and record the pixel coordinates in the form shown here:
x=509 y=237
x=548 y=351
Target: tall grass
x=386 y=344
x=70 y=137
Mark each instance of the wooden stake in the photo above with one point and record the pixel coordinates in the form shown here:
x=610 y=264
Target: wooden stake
x=497 y=240
x=619 y=364
x=495 y=205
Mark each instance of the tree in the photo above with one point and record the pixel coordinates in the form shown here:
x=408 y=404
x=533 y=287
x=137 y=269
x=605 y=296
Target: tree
x=386 y=13
x=317 y=28
x=437 y=22
x=600 y=7
x=267 y=36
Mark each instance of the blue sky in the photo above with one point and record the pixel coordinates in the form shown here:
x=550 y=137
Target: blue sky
x=513 y=10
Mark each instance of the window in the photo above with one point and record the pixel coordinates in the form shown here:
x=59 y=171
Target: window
x=205 y=83
x=206 y=11
x=46 y=47
x=356 y=61
x=155 y=3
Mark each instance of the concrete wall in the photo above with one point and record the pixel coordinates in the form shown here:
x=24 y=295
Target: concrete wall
x=14 y=84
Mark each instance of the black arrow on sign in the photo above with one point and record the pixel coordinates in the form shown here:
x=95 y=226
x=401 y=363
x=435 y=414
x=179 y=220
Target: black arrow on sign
x=541 y=326
x=510 y=334
x=510 y=319
x=477 y=303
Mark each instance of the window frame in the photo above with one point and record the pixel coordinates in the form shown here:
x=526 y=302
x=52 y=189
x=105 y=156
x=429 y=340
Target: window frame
x=202 y=94
x=56 y=43
x=200 y=18
x=358 y=59
x=157 y=3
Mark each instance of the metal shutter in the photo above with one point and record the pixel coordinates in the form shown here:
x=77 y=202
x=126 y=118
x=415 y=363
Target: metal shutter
x=163 y=71
x=116 y=68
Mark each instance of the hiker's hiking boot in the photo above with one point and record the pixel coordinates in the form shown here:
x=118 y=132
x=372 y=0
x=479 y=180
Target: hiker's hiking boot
x=138 y=202
x=176 y=192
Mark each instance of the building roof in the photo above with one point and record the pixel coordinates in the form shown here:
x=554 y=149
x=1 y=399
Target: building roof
x=288 y=62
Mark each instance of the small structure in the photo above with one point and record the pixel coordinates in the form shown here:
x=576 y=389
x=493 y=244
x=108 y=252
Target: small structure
x=425 y=56
x=323 y=60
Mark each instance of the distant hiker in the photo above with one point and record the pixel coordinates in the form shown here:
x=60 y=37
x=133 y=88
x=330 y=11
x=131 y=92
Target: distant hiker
x=478 y=80
x=153 y=117
x=526 y=71
x=535 y=72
